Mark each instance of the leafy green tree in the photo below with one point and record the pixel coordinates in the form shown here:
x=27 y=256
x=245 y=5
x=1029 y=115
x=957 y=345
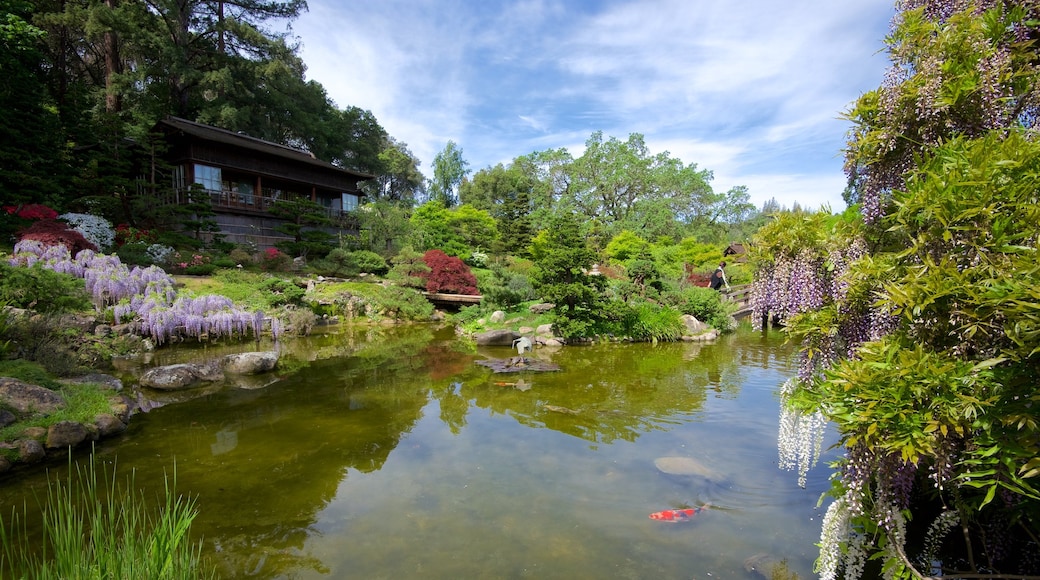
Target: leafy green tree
x=923 y=350
x=303 y=222
x=431 y=230
x=549 y=175
x=398 y=179
x=505 y=193
x=384 y=226
x=625 y=246
x=449 y=169
x=562 y=277
x=31 y=141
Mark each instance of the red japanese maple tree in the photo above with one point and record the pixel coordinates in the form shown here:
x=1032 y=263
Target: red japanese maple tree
x=52 y=232
x=448 y=274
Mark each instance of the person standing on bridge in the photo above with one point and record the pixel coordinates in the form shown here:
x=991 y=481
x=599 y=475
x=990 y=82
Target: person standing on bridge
x=718 y=278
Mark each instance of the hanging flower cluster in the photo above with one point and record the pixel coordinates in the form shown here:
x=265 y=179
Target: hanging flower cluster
x=145 y=297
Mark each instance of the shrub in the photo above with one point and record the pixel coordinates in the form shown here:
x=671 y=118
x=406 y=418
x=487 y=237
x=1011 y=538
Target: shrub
x=161 y=254
x=506 y=288
x=448 y=274
x=409 y=269
x=274 y=260
x=31 y=211
x=370 y=262
x=240 y=256
x=135 y=253
x=97 y=230
x=127 y=234
x=46 y=340
x=42 y=290
x=281 y=292
x=54 y=232
x=301 y=320
x=704 y=304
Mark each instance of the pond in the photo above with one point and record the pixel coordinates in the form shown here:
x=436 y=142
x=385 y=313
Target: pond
x=387 y=452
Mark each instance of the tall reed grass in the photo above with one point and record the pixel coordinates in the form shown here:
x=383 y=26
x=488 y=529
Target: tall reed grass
x=97 y=530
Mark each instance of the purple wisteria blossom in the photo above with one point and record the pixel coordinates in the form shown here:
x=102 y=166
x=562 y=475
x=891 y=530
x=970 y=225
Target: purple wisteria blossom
x=145 y=298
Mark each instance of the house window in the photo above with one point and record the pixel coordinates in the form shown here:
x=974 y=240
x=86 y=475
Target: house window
x=350 y=201
x=208 y=177
x=178 y=178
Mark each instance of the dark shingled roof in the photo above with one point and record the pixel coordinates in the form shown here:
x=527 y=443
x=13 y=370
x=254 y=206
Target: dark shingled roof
x=241 y=140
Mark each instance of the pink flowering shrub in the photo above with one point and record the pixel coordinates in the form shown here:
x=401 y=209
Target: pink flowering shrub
x=275 y=260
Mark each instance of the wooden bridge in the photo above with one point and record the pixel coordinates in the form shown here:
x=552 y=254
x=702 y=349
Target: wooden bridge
x=451 y=301
x=741 y=296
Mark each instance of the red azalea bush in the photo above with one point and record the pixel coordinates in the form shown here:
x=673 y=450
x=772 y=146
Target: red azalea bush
x=52 y=232
x=128 y=234
x=31 y=211
x=275 y=260
x=448 y=274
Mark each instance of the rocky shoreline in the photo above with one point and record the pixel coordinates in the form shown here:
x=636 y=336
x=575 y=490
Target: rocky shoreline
x=20 y=401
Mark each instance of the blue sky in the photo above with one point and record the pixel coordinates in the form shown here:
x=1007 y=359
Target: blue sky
x=752 y=90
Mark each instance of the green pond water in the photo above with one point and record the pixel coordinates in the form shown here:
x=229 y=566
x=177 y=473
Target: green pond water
x=389 y=453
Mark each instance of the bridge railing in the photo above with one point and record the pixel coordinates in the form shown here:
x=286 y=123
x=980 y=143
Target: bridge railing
x=741 y=296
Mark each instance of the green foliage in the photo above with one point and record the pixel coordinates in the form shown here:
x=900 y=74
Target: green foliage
x=346 y=264
x=503 y=287
x=42 y=290
x=449 y=169
x=100 y=529
x=625 y=246
x=562 y=278
x=304 y=219
x=30 y=372
x=409 y=269
x=950 y=388
x=358 y=299
x=652 y=322
x=704 y=304
x=456 y=232
x=281 y=292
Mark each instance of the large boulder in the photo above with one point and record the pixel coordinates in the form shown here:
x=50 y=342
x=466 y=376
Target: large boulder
x=697 y=330
x=30 y=451
x=67 y=434
x=541 y=308
x=179 y=376
x=250 y=363
x=693 y=326
x=108 y=424
x=503 y=337
x=26 y=399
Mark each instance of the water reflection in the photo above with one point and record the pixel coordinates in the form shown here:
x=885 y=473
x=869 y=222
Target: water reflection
x=390 y=453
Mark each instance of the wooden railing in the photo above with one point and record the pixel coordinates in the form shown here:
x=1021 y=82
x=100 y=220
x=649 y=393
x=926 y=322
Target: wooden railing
x=741 y=296
x=248 y=203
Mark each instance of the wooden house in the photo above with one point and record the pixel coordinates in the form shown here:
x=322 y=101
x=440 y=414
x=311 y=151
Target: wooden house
x=735 y=252
x=244 y=176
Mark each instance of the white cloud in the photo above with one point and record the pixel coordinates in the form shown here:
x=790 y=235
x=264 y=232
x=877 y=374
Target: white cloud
x=752 y=94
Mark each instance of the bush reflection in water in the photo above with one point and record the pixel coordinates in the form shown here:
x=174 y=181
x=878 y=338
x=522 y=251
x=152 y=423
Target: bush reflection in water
x=387 y=452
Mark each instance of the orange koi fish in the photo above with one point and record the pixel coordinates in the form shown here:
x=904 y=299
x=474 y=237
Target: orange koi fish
x=676 y=516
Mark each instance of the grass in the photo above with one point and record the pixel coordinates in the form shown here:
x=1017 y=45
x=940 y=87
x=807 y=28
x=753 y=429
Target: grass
x=100 y=529
x=84 y=402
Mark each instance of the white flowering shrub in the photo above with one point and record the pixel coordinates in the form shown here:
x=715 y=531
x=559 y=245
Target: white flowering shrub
x=160 y=254
x=97 y=230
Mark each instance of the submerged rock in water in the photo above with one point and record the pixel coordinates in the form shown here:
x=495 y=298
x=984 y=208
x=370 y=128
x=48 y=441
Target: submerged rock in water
x=517 y=364
x=684 y=466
